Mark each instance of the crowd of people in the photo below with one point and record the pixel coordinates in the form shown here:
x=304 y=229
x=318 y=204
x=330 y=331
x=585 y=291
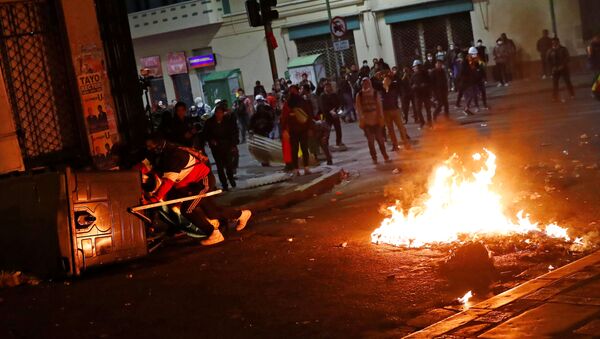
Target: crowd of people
x=302 y=116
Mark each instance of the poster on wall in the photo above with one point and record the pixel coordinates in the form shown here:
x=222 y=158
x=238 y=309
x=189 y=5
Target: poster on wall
x=176 y=63
x=96 y=114
x=296 y=74
x=152 y=63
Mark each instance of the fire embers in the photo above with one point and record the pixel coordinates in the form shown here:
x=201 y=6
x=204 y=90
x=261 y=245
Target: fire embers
x=460 y=205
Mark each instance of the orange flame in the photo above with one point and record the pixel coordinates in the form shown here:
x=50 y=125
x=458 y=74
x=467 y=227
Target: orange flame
x=457 y=204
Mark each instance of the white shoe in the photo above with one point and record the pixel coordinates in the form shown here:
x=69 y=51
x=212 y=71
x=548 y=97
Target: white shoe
x=214 y=222
x=499 y=85
x=215 y=238
x=243 y=220
x=506 y=84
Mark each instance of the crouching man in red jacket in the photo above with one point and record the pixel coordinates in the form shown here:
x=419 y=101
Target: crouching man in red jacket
x=183 y=172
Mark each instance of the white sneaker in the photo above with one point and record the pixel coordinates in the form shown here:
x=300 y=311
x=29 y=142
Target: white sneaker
x=215 y=238
x=214 y=222
x=499 y=85
x=243 y=220
x=506 y=84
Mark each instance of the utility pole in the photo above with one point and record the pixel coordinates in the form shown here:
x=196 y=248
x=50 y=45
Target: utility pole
x=553 y=16
x=333 y=40
x=268 y=35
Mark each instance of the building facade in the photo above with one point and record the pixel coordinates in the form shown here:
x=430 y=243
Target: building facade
x=396 y=30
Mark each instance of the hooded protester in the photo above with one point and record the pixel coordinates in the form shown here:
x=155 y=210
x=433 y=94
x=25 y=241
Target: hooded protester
x=201 y=107
x=243 y=109
x=183 y=172
x=502 y=58
x=371 y=120
x=261 y=122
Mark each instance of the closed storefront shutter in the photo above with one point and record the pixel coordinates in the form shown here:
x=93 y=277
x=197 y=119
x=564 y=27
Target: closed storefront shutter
x=414 y=39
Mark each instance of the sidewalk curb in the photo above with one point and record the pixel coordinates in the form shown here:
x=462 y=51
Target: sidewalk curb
x=319 y=185
x=526 y=289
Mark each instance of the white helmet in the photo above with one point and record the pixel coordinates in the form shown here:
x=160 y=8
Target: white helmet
x=417 y=63
x=217 y=101
x=259 y=98
x=473 y=51
x=198 y=101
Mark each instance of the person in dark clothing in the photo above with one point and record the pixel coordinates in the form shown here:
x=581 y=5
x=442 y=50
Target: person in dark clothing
x=429 y=63
x=262 y=121
x=502 y=58
x=329 y=104
x=407 y=97
x=512 y=56
x=347 y=98
x=259 y=89
x=306 y=81
x=391 y=111
x=421 y=87
x=296 y=120
x=179 y=129
x=383 y=66
x=371 y=120
x=242 y=109
x=482 y=52
x=593 y=53
x=183 y=172
x=221 y=134
x=439 y=84
x=543 y=46
x=558 y=61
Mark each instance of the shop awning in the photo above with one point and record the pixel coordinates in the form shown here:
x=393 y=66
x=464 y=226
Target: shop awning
x=306 y=60
x=319 y=28
x=427 y=10
x=221 y=75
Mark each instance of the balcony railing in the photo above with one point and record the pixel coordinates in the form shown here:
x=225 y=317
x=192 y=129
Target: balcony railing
x=175 y=17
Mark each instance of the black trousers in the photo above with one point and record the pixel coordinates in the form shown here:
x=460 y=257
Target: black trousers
x=565 y=74
x=375 y=134
x=501 y=73
x=337 y=125
x=225 y=165
x=199 y=211
x=482 y=91
x=441 y=99
x=299 y=140
x=423 y=101
x=407 y=101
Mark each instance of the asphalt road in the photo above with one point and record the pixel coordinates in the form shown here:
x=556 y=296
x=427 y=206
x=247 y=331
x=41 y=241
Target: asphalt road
x=310 y=271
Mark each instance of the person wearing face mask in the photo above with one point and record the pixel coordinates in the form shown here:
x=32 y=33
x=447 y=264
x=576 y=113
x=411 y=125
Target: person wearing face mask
x=184 y=172
x=390 y=94
x=482 y=52
x=501 y=57
x=429 y=63
x=221 y=134
x=296 y=121
x=440 y=54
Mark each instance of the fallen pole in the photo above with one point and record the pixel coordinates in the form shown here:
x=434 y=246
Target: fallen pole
x=174 y=201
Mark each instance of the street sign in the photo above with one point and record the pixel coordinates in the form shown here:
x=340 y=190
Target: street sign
x=338 y=27
x=341 y=45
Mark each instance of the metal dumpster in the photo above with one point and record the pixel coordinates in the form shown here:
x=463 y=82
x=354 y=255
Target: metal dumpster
x=63 y=222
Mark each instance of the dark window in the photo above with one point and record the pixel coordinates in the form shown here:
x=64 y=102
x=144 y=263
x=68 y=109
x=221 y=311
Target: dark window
x=590 y=25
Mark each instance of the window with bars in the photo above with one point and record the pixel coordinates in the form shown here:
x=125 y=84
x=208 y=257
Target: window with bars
x=41 y=91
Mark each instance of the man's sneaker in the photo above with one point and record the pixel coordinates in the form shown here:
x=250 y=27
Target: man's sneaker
x=506 y=84
x=215 y=238
x=214 y=222
x=243 y=220
x=499 y=85
x=544 y=76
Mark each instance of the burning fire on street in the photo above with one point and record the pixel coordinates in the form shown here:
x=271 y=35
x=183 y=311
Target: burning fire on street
x=460 y=205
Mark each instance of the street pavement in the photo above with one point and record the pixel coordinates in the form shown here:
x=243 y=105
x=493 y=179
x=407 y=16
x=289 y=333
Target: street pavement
x=564 y=303
x=309 y=270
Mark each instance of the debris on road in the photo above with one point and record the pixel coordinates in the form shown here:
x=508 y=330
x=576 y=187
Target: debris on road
x=299 y=221
x=290 y=239
x=565 y=152
x=12 y=279
x=343 y=245
x=584 y=136
x=396 y=171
